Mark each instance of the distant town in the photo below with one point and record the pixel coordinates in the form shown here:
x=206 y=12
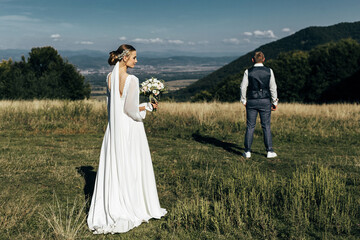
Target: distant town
x=177 y=72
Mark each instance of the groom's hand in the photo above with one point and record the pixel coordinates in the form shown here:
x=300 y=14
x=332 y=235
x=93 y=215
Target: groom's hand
x=273 y=107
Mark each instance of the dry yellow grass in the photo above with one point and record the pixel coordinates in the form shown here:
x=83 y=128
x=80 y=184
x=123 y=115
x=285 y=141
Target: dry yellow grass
x=59 y=116
x=333 y=111
x=208 y=111
x=67 y=223
x=31 y=105
x=234 y=110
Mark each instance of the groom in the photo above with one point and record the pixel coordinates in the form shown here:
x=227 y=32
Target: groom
x=258 y=94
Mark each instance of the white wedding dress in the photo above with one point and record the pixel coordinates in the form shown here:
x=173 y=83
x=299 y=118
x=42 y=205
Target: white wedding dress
x=125 y=192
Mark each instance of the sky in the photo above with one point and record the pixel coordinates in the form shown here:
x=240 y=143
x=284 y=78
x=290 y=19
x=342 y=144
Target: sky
x=227 y=27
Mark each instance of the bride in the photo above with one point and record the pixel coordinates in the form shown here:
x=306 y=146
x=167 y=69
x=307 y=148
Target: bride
x=125 y=192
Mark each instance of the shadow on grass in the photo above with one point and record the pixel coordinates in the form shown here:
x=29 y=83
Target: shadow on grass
x=89 y=175
x=230 y=147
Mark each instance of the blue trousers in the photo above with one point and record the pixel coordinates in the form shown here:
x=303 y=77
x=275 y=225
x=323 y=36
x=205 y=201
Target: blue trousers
x=253 y=107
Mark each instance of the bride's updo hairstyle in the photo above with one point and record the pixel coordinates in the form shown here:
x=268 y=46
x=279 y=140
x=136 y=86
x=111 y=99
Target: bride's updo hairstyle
x=118 y=55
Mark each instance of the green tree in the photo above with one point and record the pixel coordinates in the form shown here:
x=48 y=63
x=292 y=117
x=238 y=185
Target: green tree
x=44 y=75
x=43 y=59
x=330 y=64
x=202 y=96
x=229 y=89
x=5 y=67
x=291 y=71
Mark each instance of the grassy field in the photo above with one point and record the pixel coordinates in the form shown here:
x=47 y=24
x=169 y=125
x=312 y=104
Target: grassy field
x=49 y=156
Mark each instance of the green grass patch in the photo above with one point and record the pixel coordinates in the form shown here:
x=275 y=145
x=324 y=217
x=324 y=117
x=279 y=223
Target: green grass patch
x=49 y=157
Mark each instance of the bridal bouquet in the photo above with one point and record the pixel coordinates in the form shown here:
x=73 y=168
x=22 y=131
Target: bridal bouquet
x=153 y=88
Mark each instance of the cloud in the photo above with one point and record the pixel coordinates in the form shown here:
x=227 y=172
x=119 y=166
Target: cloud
x=122 y=38
x=232 y=41
x=264 y=34
x=247 y=40
x=176 y=42
x=18 y=18
x=30 y=26
x=85 y=42
x=157 y=40
x=198 y=42
x=248 y=33
x=24 y=23
x=56 y=37
x=141 y=40
x=286 y=30
x=150 y=40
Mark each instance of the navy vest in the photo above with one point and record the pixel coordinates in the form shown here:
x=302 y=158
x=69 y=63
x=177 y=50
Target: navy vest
x=259 y=83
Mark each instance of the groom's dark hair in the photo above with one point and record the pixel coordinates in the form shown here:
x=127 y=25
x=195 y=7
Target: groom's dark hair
x=259 y=57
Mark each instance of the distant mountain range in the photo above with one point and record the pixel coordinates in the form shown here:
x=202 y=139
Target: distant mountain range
x=160 y=64
x=305 y=39
x=93 y=64
x=98 y=57
x=98 y=62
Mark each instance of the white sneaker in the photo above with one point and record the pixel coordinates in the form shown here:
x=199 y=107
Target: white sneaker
x=247 y=154
x=271 y=155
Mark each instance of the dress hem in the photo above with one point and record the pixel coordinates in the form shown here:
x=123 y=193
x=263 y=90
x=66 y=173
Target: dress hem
x=113 y=228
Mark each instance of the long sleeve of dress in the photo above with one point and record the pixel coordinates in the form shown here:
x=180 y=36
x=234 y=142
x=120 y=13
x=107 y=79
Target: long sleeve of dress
x=131 y=107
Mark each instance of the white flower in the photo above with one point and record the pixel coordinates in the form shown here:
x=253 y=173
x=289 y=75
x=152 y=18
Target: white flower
x=152 y=87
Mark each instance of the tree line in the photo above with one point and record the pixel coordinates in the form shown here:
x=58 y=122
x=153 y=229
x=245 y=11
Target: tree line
x=44 y=75
x=327 y=73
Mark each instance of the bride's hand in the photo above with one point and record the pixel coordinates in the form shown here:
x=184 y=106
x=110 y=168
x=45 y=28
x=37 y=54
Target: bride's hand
x=154 y=105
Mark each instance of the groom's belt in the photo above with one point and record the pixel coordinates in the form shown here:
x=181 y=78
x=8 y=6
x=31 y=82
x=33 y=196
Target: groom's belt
x=258 y=94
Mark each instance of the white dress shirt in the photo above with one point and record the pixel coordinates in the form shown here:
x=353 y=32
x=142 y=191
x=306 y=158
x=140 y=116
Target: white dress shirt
x=245 y=83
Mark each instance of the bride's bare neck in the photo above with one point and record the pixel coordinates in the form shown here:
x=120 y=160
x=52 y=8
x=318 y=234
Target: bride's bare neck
x=123 y=69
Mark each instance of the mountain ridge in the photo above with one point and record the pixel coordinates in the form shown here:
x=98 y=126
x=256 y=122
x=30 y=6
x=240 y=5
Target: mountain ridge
x=304 y=39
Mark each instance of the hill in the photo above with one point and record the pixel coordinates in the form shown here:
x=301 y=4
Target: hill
x=304 y=40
